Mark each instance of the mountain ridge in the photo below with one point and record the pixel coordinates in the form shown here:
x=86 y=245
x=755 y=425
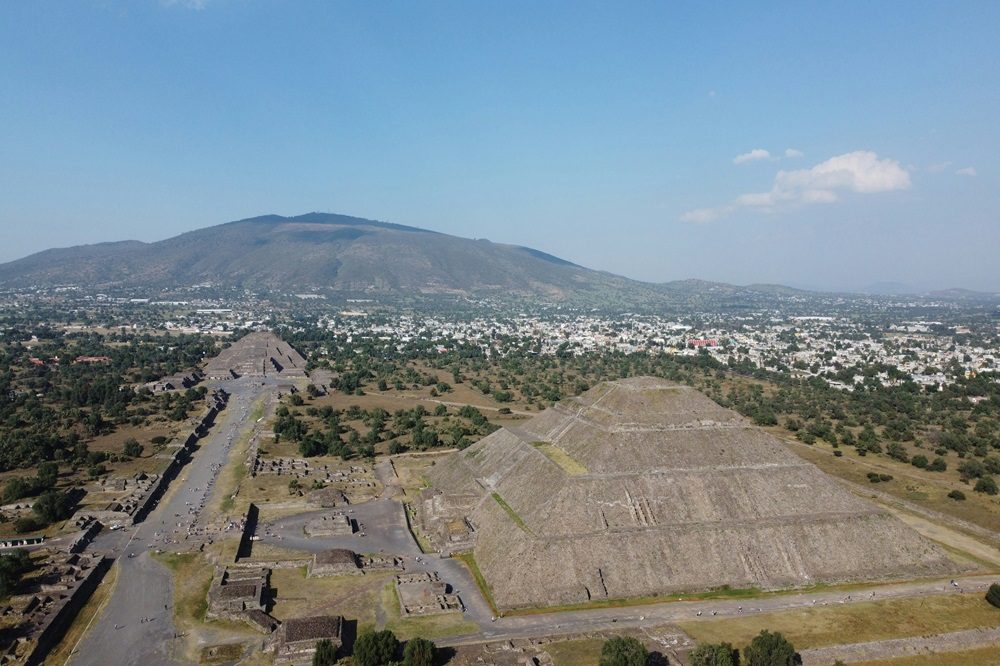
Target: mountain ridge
x=343 y=253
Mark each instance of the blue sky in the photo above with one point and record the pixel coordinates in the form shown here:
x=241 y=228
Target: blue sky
x=610 y=134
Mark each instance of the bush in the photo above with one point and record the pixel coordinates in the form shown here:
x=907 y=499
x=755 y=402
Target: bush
x=919 y=460
x=993 y=594
x=710 y=654
x=957 y=495
x=52 y=505
x=18 y=488
x=375 y=648
x=838 y=453
x=767 y=649
x=623 y=651
x=326 y=653
x=12 y=565
x=418 y=652
x=938 y=465
x=986 y=485
x=26 y=524
x=132 y=448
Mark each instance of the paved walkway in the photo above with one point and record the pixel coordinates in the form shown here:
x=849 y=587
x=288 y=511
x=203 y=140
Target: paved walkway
x=136 y=626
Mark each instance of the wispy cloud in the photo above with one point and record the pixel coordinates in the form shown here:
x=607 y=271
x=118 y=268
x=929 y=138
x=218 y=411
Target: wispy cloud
x=966 y=171
x=752 y=156
x=793 y=153
x=938 y=168
x=860 y=172
x=196 y=5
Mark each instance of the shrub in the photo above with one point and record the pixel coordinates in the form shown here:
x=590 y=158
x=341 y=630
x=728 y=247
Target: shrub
x=938 y=465
x=12 y=565
x=623 y=651
x=375 y=648
x=767 y=649
x=919 y=460
x=418 y=652
x=132 y=448
x=986 y=485
x=993 y=594
x=26 y=524
x=711 y=654
x=326 y=653
x=52 y=505
x=957 y=495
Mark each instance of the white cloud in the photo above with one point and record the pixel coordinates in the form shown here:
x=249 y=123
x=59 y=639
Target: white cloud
x=793 y=153
x=702 y=215
x=938 y=168
x=861 y=172
x=753 y=155
x=967 y=171
x=197 y=5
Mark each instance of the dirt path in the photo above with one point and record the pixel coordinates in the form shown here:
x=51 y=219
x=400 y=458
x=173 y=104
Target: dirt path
x=902 y=647
x=941 y=534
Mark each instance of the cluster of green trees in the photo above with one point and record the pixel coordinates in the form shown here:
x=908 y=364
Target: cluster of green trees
x=46 y=410
x=961 y=419
x=325 y=430
x=379 y=648
x=766 y=649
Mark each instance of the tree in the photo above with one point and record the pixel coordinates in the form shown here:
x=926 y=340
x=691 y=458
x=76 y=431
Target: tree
x=993 y=594
x=132 y=448
x=623 y=651
x=326 y=653
x=767 y=649
x=956 y=495
x=375 y=648
x=12 y=565
x=52 y=505
x=418 y=652
x=48 y=474
x=986 y=485
x=712 y=654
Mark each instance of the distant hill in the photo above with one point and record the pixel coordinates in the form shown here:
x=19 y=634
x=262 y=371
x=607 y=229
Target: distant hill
x=324 y=253
x=320 y=251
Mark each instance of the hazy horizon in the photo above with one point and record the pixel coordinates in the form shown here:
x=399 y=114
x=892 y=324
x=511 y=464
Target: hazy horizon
x=818 y=146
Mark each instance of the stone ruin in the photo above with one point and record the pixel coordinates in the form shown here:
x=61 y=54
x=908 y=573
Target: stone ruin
x=344 y=562
x=236 y=590
x=424 y=593
x=641 y=487
x=337 y=524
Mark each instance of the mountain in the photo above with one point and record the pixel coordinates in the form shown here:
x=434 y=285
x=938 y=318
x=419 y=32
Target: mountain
x=320 y=251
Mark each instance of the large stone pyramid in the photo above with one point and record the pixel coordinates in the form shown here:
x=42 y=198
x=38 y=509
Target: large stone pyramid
x=642 y=487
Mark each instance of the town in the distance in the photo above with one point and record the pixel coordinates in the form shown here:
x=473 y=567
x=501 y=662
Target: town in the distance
x=380 y=472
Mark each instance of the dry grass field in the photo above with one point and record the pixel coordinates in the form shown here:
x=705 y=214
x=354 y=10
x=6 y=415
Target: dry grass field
x=855 y=623
x=582 y=652
x=928 y=489
x=354 y=597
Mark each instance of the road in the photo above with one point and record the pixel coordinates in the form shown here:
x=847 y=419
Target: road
x=136 y=625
